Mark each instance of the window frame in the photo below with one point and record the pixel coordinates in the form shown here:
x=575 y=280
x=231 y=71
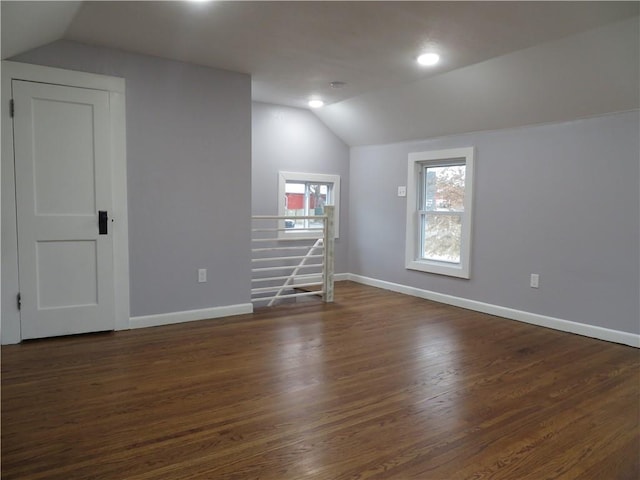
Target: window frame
x=416 y=163
x=321 y=178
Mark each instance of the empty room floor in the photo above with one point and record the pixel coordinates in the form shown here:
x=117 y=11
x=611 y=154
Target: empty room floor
x=377 y=385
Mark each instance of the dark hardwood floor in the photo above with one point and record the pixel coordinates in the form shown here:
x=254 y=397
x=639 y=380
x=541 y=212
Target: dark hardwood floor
x=375 y=386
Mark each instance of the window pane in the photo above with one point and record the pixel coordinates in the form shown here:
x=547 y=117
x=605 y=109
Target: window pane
x=444 y=188
x=294 y=187
x=317 y=201
x=442 y=237
x=304 y=199
x=306 y=195
x=294 y=204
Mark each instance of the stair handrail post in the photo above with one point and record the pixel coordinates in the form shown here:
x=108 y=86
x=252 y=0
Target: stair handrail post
x=329 y=239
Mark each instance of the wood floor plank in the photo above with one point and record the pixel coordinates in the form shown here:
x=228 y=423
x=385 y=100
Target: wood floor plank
x=377 y=385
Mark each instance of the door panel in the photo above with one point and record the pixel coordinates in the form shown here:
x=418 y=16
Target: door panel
x=64 y=132
x=66 y=273
x=63 y=177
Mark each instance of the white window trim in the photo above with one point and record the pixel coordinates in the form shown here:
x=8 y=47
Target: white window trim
x=412 y=248
x=284 y=177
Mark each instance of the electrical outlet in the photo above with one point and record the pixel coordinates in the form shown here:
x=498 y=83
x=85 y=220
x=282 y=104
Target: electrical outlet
x=535 y=280
x=202 y=275
x=402 y=191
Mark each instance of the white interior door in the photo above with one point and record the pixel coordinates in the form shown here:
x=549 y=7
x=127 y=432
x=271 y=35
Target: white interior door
x=63 y=179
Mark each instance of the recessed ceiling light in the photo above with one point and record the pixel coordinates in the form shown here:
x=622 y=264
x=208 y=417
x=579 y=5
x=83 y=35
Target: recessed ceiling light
x=337 y=84
x=428 y=59
x=316 y=103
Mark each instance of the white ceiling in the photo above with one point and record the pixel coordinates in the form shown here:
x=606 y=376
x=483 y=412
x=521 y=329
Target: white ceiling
x=293 y=50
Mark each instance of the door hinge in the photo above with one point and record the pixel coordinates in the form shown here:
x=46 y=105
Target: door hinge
x=19 y=301
x=12 y=108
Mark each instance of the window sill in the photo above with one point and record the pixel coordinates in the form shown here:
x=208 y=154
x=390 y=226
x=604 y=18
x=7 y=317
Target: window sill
x=440 y=268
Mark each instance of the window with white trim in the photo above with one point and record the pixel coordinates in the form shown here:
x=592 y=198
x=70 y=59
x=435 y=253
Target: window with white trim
x=305 y=195
x=439 y=211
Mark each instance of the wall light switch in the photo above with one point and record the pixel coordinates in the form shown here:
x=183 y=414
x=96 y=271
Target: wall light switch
x=402 y=191
x=535 y=280
x=202 y=275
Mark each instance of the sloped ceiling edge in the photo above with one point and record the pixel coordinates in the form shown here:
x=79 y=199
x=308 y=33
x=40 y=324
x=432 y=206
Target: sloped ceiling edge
x=588 y=74
x=28 y=25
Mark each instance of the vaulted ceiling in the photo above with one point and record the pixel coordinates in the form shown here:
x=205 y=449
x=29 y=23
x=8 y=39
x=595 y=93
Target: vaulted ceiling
x=503 y=63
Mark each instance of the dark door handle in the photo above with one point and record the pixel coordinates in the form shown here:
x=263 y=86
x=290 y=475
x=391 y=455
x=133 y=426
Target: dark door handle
x=102 y=222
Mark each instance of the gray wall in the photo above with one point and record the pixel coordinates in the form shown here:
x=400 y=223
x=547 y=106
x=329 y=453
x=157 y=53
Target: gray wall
x=295 y=140
x=561 y=200
x=189 y=164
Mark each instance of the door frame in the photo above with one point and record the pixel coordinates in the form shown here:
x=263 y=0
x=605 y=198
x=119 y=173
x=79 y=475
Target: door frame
x=10 y=331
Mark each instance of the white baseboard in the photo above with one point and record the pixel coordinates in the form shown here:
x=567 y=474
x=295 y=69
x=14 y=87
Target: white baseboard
x=600 y=333
x=592 y=331
x=189 y=315
x=202 y=314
